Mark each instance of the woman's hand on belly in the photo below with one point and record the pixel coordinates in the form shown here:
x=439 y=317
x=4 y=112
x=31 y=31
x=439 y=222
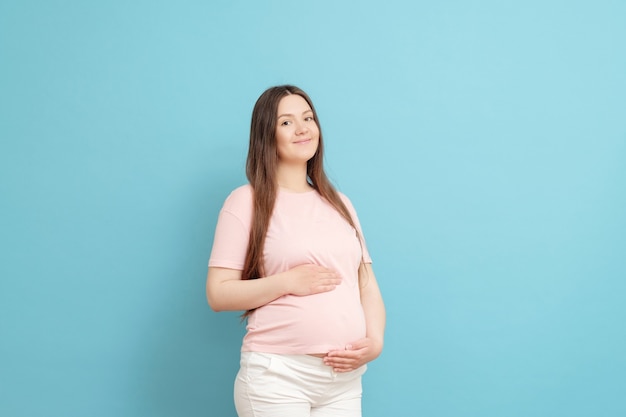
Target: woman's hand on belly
x=309 y=279
x=354 y=355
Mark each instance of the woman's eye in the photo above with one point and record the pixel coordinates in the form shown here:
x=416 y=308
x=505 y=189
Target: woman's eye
x=286 y=123
x=309 y=118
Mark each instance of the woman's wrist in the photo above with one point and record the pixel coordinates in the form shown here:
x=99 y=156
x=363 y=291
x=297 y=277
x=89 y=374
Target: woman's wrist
x=283 y=283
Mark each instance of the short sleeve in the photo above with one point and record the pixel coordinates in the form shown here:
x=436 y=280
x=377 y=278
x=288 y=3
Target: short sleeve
x=232 y=232
x=366 y=256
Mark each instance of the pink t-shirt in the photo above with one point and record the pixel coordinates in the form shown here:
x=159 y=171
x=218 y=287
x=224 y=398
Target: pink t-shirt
x=303 y=229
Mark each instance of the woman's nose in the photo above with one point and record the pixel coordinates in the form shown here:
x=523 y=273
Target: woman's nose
x=301 y=127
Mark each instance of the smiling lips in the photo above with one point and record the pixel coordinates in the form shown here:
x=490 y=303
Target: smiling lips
x=303 y=141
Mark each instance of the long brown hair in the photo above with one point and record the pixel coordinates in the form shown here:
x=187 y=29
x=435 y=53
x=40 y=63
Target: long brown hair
x=261 y=168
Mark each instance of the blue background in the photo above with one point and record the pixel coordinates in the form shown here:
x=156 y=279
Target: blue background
x=482 y=142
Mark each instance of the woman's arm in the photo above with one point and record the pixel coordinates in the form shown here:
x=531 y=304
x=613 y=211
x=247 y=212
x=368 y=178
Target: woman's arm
x=227 y=291
x=373 y=307
x=369 y=348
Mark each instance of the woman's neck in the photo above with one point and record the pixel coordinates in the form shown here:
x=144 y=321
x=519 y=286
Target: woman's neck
x=293 y=178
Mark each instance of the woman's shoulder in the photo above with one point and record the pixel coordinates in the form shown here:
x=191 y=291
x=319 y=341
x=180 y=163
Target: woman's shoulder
x=239 y=199
x=345 y=200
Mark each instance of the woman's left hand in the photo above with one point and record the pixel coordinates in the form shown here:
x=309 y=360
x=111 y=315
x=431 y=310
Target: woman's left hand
x=354 y=356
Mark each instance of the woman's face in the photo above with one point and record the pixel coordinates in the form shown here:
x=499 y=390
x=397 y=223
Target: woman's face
x=297 y=134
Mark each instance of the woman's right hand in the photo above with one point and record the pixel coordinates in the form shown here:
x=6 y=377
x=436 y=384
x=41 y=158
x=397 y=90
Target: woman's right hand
x=309 y=279
x=226 y=291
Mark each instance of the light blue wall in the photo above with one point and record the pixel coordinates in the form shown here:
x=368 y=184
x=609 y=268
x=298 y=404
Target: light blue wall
x=483 y=144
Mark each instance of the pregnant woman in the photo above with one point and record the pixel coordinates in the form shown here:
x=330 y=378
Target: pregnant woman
x=289 y=251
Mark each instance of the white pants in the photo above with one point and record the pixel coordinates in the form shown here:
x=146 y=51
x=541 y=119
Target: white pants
x=271 y=385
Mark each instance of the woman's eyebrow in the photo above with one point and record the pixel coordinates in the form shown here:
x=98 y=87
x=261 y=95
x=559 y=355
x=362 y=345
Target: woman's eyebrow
x=291 y=115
